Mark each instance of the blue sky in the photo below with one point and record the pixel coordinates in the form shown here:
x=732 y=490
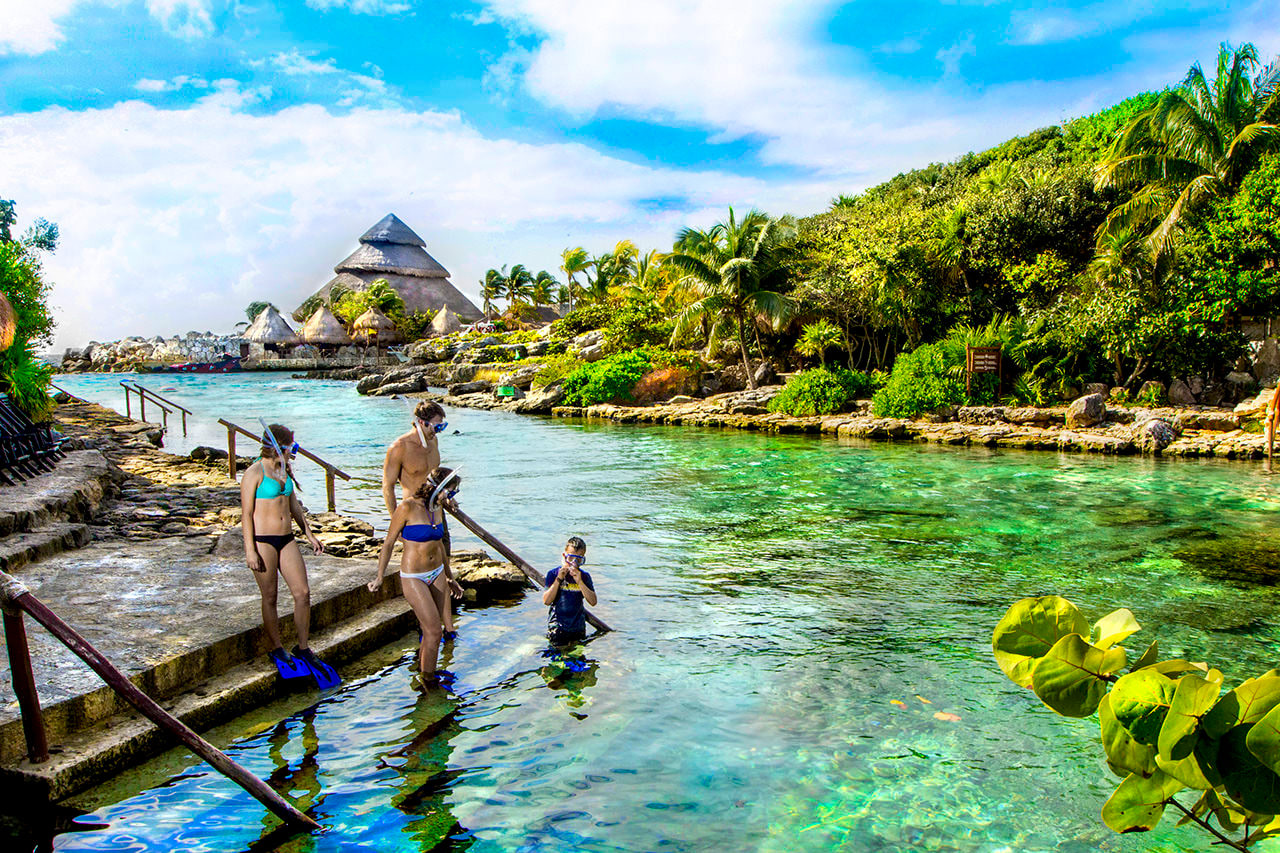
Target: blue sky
x=200 y=154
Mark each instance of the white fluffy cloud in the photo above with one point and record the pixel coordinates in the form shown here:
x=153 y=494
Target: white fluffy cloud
x=363 y=7
x=34 y=26
x=175 y=219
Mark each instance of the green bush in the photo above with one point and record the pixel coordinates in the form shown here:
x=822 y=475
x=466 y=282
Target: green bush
x=638 y=323
x=555 y=368
x=415 y=325
x=610 y=379
x=820 y=391
x=1150 y=397
x=584 y=318
x=921 y=382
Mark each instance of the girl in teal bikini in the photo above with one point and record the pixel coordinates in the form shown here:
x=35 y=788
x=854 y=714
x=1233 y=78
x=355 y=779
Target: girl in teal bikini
x=419 y=520
x=269 y=505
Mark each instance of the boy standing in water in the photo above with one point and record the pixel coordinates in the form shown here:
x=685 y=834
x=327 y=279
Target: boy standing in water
x=568 y=586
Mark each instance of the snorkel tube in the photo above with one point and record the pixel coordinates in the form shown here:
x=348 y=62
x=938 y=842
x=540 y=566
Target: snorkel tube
x=416 y=425
x=435 y=495
x=284 y=463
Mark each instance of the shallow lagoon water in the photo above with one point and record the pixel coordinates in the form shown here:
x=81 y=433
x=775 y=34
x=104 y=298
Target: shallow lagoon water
x=774 y=596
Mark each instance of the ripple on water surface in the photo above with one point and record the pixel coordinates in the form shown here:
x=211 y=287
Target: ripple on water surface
x=804 y=655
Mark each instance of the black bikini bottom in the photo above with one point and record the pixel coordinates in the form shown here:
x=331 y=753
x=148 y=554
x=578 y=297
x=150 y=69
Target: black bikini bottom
x=278 y=542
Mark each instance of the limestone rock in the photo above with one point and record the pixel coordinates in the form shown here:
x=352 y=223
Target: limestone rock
x=460 y=388
x=679 y=400
x=1257 y=407
x=980 y=415
x=409 y=386
x=1086 y=411
x=540 y=401
x=1180 y=394
x=1096 y=388
x=1266 y=362
x=1154 y=436
x=369 y=383
x=766 y=374
x=591 y=353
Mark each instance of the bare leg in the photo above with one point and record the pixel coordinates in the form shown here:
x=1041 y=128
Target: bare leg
x=421 y=598
x=267 y=585
x=439 y=587
x=295 y=575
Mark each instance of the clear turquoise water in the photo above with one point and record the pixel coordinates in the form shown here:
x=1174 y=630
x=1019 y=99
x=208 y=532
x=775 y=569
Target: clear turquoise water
x=773 y=595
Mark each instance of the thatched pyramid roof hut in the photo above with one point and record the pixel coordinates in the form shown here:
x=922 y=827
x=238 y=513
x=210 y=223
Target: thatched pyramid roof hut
x=445 y=322
x=374 y=327
x=392 y=251
x=8 y=324
x=324 y=329
x=271 y=328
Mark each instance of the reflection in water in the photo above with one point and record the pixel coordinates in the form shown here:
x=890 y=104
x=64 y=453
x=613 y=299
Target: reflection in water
x=569 y=671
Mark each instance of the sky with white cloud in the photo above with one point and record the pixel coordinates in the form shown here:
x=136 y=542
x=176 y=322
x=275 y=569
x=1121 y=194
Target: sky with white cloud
x=201 y=154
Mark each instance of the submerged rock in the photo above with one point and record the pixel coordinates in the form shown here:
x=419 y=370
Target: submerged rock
x=1154 y=436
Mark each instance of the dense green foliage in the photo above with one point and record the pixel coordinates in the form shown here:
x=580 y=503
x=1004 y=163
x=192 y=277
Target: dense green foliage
x=922 y=381
x=636 y=323
x=255 y=308
x=584 y=318
x=820 y=392
x=23 y=376
x=611 y=379
x=1166 y=726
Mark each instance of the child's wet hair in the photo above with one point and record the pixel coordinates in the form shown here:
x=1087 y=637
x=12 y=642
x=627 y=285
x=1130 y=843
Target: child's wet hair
x=577 y=543
x=434 y=479
x=283 y=436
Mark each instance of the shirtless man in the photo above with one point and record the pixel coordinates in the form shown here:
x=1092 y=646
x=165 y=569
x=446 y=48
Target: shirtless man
x=410 y=459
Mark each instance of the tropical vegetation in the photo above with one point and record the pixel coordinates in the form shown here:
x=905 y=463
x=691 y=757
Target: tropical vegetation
x=23 y=375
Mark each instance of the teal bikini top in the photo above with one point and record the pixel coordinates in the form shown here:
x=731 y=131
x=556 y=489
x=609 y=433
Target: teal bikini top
x=270 y=488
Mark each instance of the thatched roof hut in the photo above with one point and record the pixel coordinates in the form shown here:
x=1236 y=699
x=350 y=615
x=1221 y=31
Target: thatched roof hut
x=392 y=251
x=8 y=324
x=445 y=322
x=324 y=329
x=271 y=329
x=374 y=327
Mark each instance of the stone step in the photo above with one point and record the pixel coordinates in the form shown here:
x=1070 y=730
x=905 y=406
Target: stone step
x=88 y=756
x=70 y=492
x=20 y=549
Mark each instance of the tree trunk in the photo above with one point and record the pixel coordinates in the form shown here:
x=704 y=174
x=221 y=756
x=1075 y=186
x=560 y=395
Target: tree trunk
x=746 y=363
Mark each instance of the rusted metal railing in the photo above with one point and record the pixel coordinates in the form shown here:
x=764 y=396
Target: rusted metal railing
x=16 y=599
x=330 y=471
x=144 y=394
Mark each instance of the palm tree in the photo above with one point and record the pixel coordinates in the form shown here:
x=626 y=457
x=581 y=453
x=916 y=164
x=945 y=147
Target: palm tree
x=1194 y=144
x=519 y=285
x=1121 y=286
x=817 y=338
x=492 y=286
x=613 y=269
x=572 y=262
x=731 y=271
x=543 y=289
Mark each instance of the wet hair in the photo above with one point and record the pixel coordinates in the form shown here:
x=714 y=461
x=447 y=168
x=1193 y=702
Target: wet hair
x=283 y=436
x=434 y=479
x=577 y=543
x=428 y=409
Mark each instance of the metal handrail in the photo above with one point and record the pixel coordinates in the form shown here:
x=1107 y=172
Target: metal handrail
x=144 y=392
x=16 y=599
x=330 y=471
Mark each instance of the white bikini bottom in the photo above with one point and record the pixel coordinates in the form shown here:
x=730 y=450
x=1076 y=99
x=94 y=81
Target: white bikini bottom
x=425 y=577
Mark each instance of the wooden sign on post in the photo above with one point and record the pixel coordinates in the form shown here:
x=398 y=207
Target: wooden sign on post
x=982 y=360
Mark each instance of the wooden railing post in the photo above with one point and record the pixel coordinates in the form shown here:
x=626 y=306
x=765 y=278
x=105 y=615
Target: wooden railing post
x=142 y=407
x=231 y=452
x=184 y=423
x=128 y=408
x=328 y=488
x=24 y=686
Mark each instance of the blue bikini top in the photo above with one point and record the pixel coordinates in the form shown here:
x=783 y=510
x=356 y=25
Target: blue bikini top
x=270 y=488
x=423 y=532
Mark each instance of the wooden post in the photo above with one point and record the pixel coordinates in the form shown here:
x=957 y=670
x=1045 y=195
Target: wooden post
x=24 y=685
x=328 y=487
x=14 y=594
x=184 y=423
x=529 y=571
x=142 y=406
x=166 y=418
x=231 y=452
x=128 y=409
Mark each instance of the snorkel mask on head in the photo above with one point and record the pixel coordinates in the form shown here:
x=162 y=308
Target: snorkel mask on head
x=433 y=501
x=284 y=462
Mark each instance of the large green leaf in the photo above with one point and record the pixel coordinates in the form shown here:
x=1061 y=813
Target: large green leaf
x=1114 y=628
x=1248 y=781
x=1030 y=629
x=1188 y=771
x=1138 y=802
x=1140 y=701
x=1124 y=754
x=1194 y=697
x=1248 y=703
x=1073 y=677
x=1148 y=657
x=1264 y=739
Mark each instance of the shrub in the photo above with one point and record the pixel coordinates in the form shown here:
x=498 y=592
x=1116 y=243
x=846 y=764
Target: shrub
x=1151 y=396
x=581 y=319
x=636 y=324
x=663 y=383
x=921 y=382
x=610 y=379
x=820 y=391
x=414 y=326
x=555 y=368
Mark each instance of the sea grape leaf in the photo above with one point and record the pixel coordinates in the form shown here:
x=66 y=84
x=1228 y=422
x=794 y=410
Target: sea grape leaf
x=1187 y=771
x=1248 y=703
x=1202 y=807
x=1173 y=667
x=1148 y=657
x=1138 y=802
x=1140 y=701
x=1264 y=739
x=1124 y=754
x=1230 y=819
x=1073 y=677
x=1247 y=780
x=1114 y=628
x=1029 y=630
x=1193 y=697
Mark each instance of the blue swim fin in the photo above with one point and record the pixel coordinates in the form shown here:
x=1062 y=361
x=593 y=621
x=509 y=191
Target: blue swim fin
x=325 y=675
x=288 y=665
